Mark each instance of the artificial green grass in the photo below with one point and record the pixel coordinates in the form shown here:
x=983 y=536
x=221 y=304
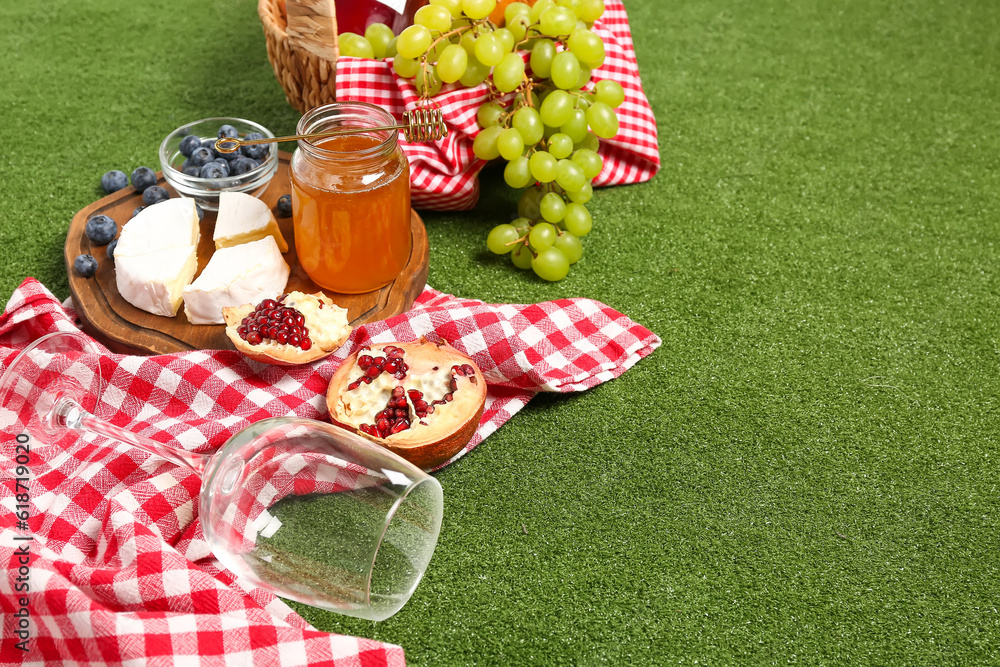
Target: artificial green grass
x=805 y=472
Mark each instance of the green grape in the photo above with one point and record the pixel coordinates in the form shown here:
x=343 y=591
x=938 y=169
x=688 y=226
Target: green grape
x=542 y=54
x=379 y=35
x=355 y=46
x=610 y=92
x=589 y=161
x=520 y=100
x=527 y=205
x=468 y=42
x=454 y=7
x=560 y=146
x=590 y=141
x=544 y=167
x=509 y=74
x=489 y=114
x=550 y=264
x=522 y=225
x=527 y=121
x=557 y=108
x=583 y=195
x=587 y=46
x=516 y=9
x=570 y=4
x=521 y=257
x=502 y=239
x=518 y=26
x=557 y=21
x=506 y=38
x=427 y=81
x=434 y=55
x=434 y=17
x=570 y=246
x=550 y=131
x=603 y=120
x=488 y=49
x=390 y=48
x=539 y=8
x=478 y=9
x=475 y=73
x=452 y=62
x=576 y=127
x=553 y=207
x=569 y=175
x=577 y=221
x=510 y=144
x=565 y=70
x=517 y=173
x=584 y=79
x=583 y=102
x=485 y=143
x=542 y=235
x=414 y=41
x=590 y=10
x=405 y=67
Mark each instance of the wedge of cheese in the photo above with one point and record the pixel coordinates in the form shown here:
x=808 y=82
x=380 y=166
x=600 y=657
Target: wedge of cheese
x=245 y=273
x=244 y=218
x=157 y=256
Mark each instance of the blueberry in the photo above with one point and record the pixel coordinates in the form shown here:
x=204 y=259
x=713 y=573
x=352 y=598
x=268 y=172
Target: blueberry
x=188 y=144
x=154 y=195
x=256 y=151
x=137 y=211
x=200 y=211
x=114 y=180
x=212 y=170
x=111 y=249
x=101 y=229
x=85 y=265
x=210 y=145
x=142 y=178
x=228 y=131
x=200 y=157
x=241 y=165
x=284 y=206
x=222 y=163
x=192 y=171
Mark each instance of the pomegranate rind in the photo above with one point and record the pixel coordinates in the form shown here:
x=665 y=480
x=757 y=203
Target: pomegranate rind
x=277 y=354
x=447 y=431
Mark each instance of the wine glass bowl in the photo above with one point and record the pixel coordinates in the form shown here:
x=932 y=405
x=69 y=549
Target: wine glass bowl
x=296 y=506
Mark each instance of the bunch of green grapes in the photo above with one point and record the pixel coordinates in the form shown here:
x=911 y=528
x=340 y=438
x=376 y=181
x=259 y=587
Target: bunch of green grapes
x=548 y=132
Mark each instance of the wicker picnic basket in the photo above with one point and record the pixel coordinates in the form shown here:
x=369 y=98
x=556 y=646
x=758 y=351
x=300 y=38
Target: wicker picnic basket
x=302 y=46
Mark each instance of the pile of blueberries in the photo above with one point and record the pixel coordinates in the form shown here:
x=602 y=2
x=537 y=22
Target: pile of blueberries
x=204 y=161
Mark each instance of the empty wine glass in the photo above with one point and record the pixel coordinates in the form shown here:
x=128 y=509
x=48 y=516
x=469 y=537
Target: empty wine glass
x=301 y=508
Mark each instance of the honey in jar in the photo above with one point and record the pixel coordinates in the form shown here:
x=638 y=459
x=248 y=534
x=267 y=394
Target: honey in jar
x=350 y=200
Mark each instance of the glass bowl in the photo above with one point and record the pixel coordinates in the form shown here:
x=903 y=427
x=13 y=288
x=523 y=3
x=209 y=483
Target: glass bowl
x=206 y=191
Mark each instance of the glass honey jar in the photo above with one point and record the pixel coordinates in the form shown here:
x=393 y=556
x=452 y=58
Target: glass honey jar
x=350 y=199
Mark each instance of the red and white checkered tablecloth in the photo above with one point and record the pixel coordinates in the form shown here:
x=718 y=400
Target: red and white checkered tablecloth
x=120 y=571
x=444 y=174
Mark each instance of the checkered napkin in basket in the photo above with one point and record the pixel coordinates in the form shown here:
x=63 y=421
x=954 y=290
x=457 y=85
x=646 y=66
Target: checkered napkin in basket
x=444 y=174
x=121 y=572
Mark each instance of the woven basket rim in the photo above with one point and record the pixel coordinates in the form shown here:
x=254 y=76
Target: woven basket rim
x=267 y=10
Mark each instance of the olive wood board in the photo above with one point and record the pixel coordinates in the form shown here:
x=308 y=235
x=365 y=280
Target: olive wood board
x=123 y=328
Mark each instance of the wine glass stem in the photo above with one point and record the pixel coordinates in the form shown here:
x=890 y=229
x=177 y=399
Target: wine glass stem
x=70 y=414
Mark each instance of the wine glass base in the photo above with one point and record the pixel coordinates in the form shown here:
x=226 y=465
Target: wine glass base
x=35 y=387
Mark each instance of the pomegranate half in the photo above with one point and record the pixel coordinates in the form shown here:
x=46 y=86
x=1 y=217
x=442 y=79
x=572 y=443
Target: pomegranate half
x=296 y=328
x=421 y=400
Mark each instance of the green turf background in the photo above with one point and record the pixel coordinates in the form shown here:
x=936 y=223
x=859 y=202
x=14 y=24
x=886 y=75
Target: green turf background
x=806 y=471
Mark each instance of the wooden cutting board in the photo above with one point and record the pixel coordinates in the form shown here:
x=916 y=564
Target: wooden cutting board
x=124 y=328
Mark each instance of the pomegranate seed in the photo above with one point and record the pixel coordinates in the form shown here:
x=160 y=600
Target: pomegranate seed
x=306 y=343
x=468 y=370
x=397 y=391
x=391 y=367
x=373 y=371
x=300 y=319
x=400 y=414
x=294 y=340
x=379 y=361
x=253 y=338
x=269 y=303
x=383 y=425
x=399 y=375
x=420 y=405
x=242 y=332
x=282 y=298
x=364 y=361
x=415 y=394
x=449 y=398
x=289 y=320
x=354 y=385
x=400 y=426
x=281 y=337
